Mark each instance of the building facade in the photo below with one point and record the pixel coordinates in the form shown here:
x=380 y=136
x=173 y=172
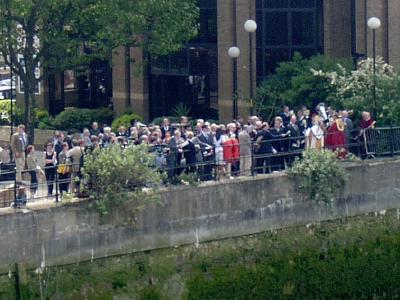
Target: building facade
x=201 y=75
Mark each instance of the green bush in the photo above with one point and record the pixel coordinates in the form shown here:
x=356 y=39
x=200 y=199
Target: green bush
x=319 y=175
x=115 y=176
x=159 y=120
x=295 y=84
x=125 y=120
x=76 y=119
x=43 y=119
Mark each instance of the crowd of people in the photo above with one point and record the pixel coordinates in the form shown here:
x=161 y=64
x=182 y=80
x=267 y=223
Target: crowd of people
x=211 y=151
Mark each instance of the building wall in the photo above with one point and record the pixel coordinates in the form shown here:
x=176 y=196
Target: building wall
x=337 y=43
x=75 y=233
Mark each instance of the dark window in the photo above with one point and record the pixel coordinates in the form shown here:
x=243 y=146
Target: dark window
x=277 y=22
x=189 y=76
x=286 y=27
x=303 y=29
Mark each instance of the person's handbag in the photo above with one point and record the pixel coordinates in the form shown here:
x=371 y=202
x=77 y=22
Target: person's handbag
x=63 y=169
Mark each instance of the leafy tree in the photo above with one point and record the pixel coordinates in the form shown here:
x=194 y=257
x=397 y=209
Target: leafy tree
x=354 y=90
x=61 y=34
x=116 y=176
x=295 y=84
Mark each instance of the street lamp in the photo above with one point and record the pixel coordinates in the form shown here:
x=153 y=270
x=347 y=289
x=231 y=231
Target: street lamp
x=234 y=53
x=374 y=23
x=250 y=26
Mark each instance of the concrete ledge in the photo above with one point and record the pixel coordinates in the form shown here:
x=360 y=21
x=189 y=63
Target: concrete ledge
x=70 y=234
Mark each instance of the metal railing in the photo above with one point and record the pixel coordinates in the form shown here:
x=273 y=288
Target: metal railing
x=52 y=185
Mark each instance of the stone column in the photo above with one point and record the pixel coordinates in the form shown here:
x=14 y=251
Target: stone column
x=230 y=30
x=394 y=32
x=378 y=8
x=119 y=65
x=139 y=85
x=337 y=28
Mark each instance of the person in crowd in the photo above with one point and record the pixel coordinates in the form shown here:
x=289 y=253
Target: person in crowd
x=5 y=163
x=50 y=162
x=86 y=137
x=315 y=136
x=336 y=138
x=122 y=132
x=189 y=152
x=69 y=138
x=285 y=115
x=219 y=141
x=366 y=138
x=165 y=127
x=263 y=149
x=245 y=152
x=19 y=142
x=21 y=198
x=296 y=139
x=58 y=146
x=172 y=153
x=33 y=169
x=95 y=130
x=207 y=144
x=279 y=144
x=65 y=171
x=74 y=156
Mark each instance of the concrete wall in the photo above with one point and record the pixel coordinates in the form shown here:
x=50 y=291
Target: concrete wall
x=70 y=234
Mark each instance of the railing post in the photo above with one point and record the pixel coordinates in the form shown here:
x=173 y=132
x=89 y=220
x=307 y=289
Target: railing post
x=15 y=185
x=392 y=140
x=56 y=181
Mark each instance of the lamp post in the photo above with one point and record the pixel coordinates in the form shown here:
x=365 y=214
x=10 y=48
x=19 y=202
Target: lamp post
x=374 y=23
x=234 y=53
x=250 y=26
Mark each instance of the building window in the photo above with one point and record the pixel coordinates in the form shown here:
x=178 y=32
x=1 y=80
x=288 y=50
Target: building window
x=286 y=27
x=190 y=75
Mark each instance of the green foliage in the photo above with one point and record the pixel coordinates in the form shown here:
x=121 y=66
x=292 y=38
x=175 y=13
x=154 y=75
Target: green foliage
x=354 y=90
x=74 y=33
x=125 y=120
x=5 y=113
x=118 y=176
x=365 y=270
x=181 y=110
x=43 y=119
x=319 y=175
x=76 y=119
x=159 y=120
x=295 y=84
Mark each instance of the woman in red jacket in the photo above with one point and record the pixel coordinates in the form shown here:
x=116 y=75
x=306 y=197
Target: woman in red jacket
x=231 y=153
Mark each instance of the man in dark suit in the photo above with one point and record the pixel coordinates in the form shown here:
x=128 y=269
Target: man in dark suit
x=206 y=140
x=165 y=128
x=285 y=115
x=263 y=149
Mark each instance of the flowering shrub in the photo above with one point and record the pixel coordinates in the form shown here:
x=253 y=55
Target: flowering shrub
x=354 y=89
x=319 y=175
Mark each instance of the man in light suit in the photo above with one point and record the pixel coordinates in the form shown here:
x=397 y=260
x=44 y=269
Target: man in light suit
x=74 y=158
x=245 y=152
x=19 y=142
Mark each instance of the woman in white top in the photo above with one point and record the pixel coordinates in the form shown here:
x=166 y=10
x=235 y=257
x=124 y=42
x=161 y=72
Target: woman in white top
x=315 y=136
x=219 y=140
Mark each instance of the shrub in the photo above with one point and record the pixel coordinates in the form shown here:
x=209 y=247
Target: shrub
x=125 y=120
x=159 y=120
x=117 y=176
x=319 y=175
x=76 y=119
x=295 y=84
x=43 y=119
